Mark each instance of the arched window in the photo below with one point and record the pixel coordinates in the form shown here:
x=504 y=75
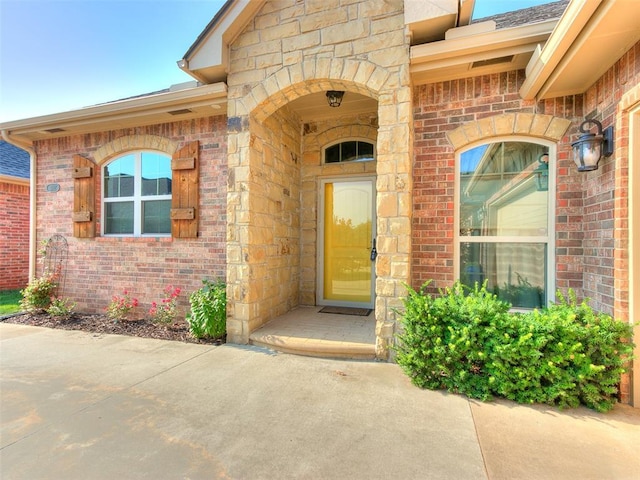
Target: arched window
x=349 y=151
x=137 y=195
x=505 y=216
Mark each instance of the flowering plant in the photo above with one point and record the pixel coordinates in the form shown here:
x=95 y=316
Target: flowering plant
x=36 y=296
x=61 y=307
x=165 y=312
x=120 y=307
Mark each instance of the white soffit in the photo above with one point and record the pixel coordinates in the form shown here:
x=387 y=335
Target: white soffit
x=589 y=38
x=428 y=20
x=207 y=59
x=480 y=51
x=165 y=107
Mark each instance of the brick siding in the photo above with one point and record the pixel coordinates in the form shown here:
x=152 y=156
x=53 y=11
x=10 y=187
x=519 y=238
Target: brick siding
x=97 y=268
x=591 y=224
x=14 y=235
x=444 y=106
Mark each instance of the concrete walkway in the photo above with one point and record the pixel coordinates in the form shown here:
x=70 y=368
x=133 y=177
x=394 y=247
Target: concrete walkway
x=82 y=406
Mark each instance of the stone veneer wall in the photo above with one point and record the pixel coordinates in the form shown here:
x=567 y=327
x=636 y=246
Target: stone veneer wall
x=291 y=49
x=100 y=267
x=318 y=135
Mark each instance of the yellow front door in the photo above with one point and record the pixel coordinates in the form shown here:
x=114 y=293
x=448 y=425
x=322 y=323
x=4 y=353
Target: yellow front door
x=347 y=236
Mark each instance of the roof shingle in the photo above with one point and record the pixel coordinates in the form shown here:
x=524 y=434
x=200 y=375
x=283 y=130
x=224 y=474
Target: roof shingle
x=536 y=14
x=14 y=162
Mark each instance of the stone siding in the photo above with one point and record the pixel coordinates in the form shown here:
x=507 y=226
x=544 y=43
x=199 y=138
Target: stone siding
x=292 y=49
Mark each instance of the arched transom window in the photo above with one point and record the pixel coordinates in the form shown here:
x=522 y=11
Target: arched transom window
x=349 y=151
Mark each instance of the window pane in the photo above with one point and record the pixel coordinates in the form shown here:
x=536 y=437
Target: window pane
x=119 y=217
x=156 y=174
x=365 y=151
x=118 y=177
x=349 y=151
x=498 y=193
x=516 y=272
x=332 y=154
x=156 y=216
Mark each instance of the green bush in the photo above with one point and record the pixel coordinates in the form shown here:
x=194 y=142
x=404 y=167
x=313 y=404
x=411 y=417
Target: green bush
x=466 y=341
x=61 y=308
x=208 y=315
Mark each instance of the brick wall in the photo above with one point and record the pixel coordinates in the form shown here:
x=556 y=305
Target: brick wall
x=97 y=268
x=14 y=235
x=443 y=107
x=591 y=224
x=588 y=205
x=606 y=190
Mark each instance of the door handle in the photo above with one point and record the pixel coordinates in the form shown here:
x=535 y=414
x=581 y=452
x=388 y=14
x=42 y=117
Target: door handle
x=374 y=252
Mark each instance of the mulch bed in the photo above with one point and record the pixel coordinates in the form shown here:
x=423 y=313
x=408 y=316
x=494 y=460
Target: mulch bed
x=101 y=324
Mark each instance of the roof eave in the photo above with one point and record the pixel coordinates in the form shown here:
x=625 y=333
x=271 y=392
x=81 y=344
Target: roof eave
x=140 y=110
x=546 y=58
x=207 y=59
x=437 y=59
x=589 y=38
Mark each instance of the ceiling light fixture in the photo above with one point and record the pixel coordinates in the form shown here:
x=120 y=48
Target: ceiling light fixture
x=334 y=97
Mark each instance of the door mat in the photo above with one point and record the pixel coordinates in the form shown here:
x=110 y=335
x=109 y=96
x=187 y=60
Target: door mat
x=361 y=312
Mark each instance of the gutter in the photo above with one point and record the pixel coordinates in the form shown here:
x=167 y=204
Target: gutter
x=88 y=117
x=546 y=59
x=28 y=147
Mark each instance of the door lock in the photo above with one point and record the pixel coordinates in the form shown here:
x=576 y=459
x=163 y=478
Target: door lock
x=374 y=252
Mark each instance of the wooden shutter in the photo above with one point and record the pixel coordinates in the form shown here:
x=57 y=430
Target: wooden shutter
x=184 y=191
x=84 y=198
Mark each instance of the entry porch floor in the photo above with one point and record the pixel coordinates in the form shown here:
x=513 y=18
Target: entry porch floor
x=306 y=331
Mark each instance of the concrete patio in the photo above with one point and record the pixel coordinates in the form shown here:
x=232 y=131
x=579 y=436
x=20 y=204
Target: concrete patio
x=307 y=331
x=84 y=406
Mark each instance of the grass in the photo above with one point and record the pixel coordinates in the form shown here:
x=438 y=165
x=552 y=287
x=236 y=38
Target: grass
x=10 y=301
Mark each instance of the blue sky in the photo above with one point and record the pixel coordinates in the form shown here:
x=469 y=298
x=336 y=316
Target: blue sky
x=59 y=55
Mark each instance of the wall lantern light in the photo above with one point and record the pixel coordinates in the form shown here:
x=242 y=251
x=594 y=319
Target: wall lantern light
x=590 y=147
x=541 y=173
x=334 y=97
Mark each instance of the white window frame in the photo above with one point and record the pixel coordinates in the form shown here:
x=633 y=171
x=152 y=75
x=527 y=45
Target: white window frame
x=549 y=239
x=137 y=197
x=345 y=140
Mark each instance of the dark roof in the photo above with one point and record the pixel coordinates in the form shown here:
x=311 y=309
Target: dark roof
x=536 y=14
x=14 y=162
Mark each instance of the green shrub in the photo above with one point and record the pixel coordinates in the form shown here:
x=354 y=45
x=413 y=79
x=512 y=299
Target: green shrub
x=466 y=341
x=208 y=315
x=61 y=307
x=36 y=296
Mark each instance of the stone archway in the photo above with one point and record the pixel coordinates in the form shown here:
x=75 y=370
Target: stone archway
x=254 y=115
x=134 y=142
x=532 y=124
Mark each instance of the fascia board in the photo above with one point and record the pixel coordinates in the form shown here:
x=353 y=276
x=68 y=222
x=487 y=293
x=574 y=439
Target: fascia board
x=211 y=48
x=203 y=95
x=481 y=43
x=14 y=180
x=545 y=61
x=448 y=62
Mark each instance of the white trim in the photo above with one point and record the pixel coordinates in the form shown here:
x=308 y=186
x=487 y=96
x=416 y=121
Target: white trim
x=634 y=246
x=548 y=239
x=320 y=300
x=137 y=197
